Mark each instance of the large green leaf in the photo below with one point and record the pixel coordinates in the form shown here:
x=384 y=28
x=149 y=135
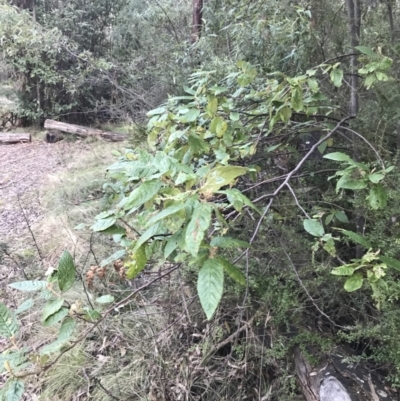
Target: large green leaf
x=149 y=233
x=221 y=176
x=103 y=224
x=367 y=51
x=297 y=99
x=165 y=213
x=137 y=263
x=190 y=116
x=238 y=200
x=357 y=238
x=52 y=307
x=345 y=270
x=141 y=194
x=15 y=390
x=56 y=317
x=377 y=197
x=354 y=282
x=337 y=76
x=66 y=272
x=29 y=285
x=210 y=286
x=197 y=145
x=232 y=270
x=337 y=156
x=66 y=329
x=8 y=324
x=314 y=227
x=376 y=177
x=390 y=262
x=228 y=242
x=200 y=221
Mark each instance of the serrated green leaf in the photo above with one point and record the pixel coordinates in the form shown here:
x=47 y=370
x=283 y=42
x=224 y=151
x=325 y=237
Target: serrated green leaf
x=199 y=223
x=137 y=262
x=354 y=282
x=141 y=194
x=210 y=286
x=166 y=213
x=232 y=270
x=337 y=156
x=115 y=256
x=377 y=197
x=221 y=176
x=56 y=317
x=341 y=216
x=228 y=242
x=66 y=272
x=26 y=305
x=343 y=270
x=197 y=145
x=15 y=390
x=103 y=224
x=29 y=285
x=8 y=324
x=329 y=218
x=52 y=307
x=105 y=299
x=357 y=238
x=336 y=76
x=390 y=262
x=314 y=227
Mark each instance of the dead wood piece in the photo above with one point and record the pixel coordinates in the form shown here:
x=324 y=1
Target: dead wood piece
x=15 y=137
x=54 y=136
x=83 y=132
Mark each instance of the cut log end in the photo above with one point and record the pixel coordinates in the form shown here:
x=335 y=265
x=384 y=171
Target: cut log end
x=9 y=138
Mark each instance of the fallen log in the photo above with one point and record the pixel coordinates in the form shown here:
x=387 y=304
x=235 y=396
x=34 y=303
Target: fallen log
x=83 y=132
x=15 y=138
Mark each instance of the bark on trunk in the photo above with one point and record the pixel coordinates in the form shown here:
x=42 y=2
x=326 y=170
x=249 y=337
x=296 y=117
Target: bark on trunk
x=83 y=132
x=15 y=138
x=354 y=18
x=197 y=20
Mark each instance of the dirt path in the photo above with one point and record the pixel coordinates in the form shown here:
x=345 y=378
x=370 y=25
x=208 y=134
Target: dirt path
x=24 y=169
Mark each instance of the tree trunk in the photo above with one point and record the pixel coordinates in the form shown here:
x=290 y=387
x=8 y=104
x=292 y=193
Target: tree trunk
x=83 y=132
x=197 y=20
x=15 y=138
x=354 y=20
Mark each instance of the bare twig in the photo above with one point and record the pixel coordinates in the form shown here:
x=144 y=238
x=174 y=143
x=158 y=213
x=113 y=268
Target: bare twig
x=29 y=227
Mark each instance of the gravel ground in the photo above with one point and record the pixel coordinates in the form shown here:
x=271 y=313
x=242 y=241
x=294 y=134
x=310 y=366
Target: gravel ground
x=24 y=169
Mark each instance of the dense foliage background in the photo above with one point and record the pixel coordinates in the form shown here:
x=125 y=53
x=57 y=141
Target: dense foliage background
x=271 y=160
